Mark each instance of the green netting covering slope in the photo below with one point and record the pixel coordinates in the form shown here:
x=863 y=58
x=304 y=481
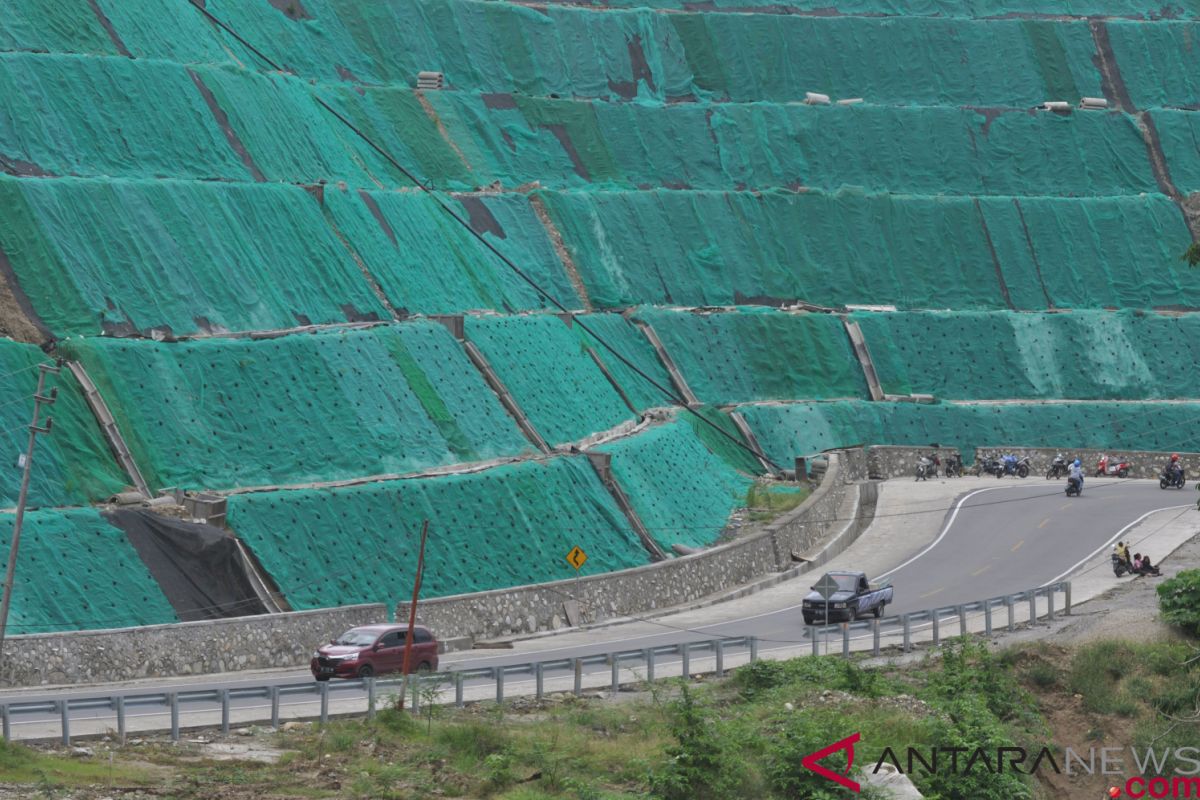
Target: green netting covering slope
x=1158 y=63
x=1179 y=136
x=624 y=337
x=712 y=248
x=549 y=373
x=426 y=262
x=74 y=572
x=53 y=26
x=755 y=354
x=500 y=47
x=1081 y=355
x=222 y=413
x=787 y=431
x=720 y=145
x=70 y=115
x=72 y=465
x=503 y=527
x=139 y=255
x=681 y=491
x=1139 y=9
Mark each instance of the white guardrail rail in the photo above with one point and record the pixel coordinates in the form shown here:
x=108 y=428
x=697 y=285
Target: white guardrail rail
x=898 y=629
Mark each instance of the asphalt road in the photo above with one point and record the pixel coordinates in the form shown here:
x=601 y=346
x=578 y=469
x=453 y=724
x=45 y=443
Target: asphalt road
x=994 y=540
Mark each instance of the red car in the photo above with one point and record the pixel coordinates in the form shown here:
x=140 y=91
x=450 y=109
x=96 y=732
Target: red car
x=373 y=649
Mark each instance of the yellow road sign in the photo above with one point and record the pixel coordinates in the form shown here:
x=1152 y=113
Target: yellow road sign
x=576 y=558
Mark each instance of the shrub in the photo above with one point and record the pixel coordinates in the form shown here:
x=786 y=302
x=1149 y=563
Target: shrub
x=700 y=766
x=1179 y=600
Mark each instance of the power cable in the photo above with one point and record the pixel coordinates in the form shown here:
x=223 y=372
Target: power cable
x=465 y=225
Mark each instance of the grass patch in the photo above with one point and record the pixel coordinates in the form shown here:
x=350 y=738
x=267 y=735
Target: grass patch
x=21 y=764
x=766 y=501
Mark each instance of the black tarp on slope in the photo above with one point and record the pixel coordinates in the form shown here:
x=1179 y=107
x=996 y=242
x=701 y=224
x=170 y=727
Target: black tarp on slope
x=197 y=566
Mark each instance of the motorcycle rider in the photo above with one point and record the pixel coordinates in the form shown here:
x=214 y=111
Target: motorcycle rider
x=1122 y=552
x=1075 y=473
x=1173 y=469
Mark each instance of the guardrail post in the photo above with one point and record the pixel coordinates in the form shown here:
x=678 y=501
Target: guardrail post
x=875 y=636
x=685 y=654
x=719 y=645
x=845 y=640
x=539 y=679
x=499 y=673
x=4 y=719
x=324 y=689
x=458 y=690
x=937 y=628
x=121 y=719
x=370 y=681
x=816 y=642
x=1032 y=594
x=650 y=664
x=1050 y=605
x=173 y=698
x=1067 y=599
x=275 y=704
x=578 y=677
x=907 y=633
x=987 y=618
x=1012 y=613
x=64 y=713
x=753 y=649
x=962 y=620
x=616 y=673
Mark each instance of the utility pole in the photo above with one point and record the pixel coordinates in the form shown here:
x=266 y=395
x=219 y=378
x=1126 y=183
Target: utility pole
x=412 y=615
x=39 y=400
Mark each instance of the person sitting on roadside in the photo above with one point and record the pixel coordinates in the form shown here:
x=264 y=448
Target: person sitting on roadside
x=1137 y=563
x=1147 y=568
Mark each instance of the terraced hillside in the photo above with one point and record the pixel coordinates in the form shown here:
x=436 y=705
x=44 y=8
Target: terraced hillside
x=350 y=304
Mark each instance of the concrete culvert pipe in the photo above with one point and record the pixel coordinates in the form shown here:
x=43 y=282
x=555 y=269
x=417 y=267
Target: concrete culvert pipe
x=891 y=783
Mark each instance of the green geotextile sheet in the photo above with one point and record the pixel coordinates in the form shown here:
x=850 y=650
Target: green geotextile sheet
x=759 y=354
x=919 y=150
x=789 y=430
x=501 y=47
x=681 y=491
x=1159 y=63
x=507 y=526
x=637 y=379
x=693 y=248
x=1138 y=9
x=127 y=256
x=548 y=372
x=76 y=572
x=1081 y=355
x=425 y=262
x=221 y=413
x=1179 y=136
x=72 y=465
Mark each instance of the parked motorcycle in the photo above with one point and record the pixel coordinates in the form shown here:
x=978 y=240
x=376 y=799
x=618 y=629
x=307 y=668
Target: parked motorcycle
x=1172 y=479
x=954 y=467
x=1119 y=566
x=990 y=466
x=1110 y=467
x=1074 y=487
x=926 y=468
x=1015 y=466
x=1058 y=468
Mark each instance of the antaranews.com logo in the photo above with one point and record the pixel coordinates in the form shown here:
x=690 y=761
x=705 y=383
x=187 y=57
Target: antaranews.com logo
x=1107 y=761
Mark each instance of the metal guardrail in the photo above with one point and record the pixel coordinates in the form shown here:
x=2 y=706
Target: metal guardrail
x=210 y=700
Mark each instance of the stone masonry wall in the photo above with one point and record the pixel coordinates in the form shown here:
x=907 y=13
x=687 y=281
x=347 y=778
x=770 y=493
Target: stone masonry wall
x=184 y=648
x=887 y=461
x=834 y=511
x=1143 y=463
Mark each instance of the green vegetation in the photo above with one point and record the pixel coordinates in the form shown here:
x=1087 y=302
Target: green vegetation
x=743 y=737
x=766 y=501
x=1179 y=600
x=1192 y=255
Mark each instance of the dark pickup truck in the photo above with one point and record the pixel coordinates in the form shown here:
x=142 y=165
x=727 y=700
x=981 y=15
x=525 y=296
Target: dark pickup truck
x=854 y=598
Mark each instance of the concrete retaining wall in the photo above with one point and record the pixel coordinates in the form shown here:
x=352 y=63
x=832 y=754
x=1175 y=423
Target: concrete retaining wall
x=836 y=511
x=184 y=648
x=886 y=461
